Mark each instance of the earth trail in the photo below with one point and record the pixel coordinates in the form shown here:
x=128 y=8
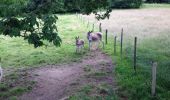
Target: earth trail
x=57 y=82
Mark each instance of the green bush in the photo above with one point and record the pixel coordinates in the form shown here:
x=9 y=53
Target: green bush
x=126 y=3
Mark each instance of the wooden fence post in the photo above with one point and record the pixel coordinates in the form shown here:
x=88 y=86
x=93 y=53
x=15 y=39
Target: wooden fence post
x=121 y=43
x=154 y=66
x=135 y=46
x=106 y=36
x=100 y=27
x=115 y=45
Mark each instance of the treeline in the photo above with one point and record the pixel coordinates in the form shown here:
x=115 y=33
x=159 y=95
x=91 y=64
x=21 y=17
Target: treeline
x=74 y=6
x=157 y=1
x=62 y=6
x=126 y=3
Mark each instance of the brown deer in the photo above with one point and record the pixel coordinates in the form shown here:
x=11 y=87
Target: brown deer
x=79 y=44
x=94 y=37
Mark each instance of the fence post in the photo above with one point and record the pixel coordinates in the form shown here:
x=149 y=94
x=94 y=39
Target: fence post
x=135 y=46
x=154 y=66
x=121 y=43
x=106 y=36
x=115 y=45
x=100 y=27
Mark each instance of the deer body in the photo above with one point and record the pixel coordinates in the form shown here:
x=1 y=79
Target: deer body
x=79 y=44
x=94 y=37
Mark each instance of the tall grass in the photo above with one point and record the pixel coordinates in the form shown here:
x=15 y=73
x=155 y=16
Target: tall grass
x=138 y=86
x=155 y=5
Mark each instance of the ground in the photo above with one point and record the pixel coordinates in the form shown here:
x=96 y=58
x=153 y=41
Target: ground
x=58 y=82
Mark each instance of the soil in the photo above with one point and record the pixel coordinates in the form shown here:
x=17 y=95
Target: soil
x=58 y=82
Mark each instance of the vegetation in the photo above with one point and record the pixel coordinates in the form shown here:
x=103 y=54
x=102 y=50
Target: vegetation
x=138 y=86
x=16 y=52
x=155 y=6
x=34 y=20
x=14 y=85
x=105 y=91
x=150 y=49
x=126 y=3
x=158 y=1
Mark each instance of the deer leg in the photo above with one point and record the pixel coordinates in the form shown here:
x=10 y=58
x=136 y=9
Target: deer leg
x=79 y=49
x=102 y=44
x=76 y=49
x=89 y=45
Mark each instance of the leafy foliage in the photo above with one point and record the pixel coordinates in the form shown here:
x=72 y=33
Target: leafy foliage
x=35 y=20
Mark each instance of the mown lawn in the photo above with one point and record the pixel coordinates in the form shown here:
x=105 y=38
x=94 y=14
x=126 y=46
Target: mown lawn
x=17 y=53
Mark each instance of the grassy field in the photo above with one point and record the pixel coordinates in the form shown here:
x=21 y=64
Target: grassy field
x=17 y=53
x=151 y=25
x=155 y=6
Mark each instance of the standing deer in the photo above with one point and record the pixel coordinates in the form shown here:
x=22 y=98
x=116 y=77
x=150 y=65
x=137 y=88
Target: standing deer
x=79 y=44
x=94 y=37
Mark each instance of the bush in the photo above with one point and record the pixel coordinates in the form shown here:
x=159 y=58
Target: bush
x=126 y=3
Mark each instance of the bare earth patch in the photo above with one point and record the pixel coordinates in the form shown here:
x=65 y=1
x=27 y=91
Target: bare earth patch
x=55 y=82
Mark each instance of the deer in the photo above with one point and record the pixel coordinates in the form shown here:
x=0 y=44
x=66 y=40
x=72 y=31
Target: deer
x=95 y=37
x=79 y=44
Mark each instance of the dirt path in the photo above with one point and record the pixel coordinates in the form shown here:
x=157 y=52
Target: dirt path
x=56 y=82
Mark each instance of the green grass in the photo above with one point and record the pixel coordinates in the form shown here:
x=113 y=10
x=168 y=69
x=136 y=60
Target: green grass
x=138 y=86
x=97 y=92
x=16 y=53
x=155 y=5
x=14 y=85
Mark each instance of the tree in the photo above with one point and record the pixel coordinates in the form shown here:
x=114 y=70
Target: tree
x=35 y=19
x=158 y=1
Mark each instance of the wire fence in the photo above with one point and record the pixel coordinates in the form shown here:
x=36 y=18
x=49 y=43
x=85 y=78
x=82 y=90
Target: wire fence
x=142 y=55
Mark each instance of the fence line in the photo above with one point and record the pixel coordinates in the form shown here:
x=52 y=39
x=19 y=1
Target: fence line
x=106 y=36
x=154 y=66
x=135 y=47
x=121 y=44
x=153 y=90
x=115 y=45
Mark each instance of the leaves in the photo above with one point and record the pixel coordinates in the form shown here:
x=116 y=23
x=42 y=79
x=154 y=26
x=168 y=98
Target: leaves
x=35 y=20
